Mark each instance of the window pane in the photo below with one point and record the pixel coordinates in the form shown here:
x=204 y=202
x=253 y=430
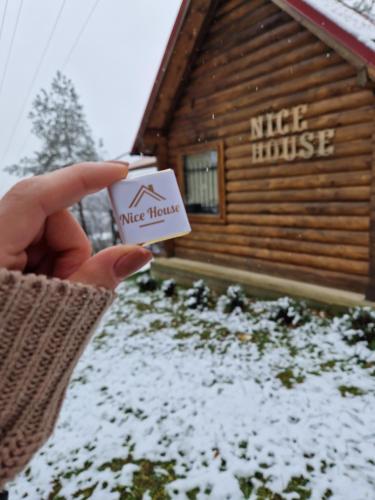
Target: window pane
x=201 y=183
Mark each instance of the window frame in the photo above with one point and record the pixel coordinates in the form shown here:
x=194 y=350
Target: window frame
x=220 y=217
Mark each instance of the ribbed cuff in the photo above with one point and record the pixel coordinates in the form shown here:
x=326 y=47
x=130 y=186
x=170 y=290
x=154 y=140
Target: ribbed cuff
x=45 y=325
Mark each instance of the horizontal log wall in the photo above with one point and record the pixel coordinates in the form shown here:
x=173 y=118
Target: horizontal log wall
x=306 y=219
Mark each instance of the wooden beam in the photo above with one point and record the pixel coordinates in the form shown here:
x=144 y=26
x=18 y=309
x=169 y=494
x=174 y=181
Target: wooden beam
x=370 y=292
x=162 y=158
x=195 y=34
x=300 y=273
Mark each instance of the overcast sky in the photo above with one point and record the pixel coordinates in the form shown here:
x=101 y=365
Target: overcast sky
x=113 y=65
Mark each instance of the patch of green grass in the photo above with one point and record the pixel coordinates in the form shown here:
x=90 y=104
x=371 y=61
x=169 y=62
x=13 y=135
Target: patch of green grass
x=142 y=307
x=350 y=389
x=246 y=486
x=299 y=485
x=56 y=488
x=101 y=335
x=76 y=472
x=156 y=325
x=328 y=365
x=85 y=493
x=151 y=477
x=182 y=335
x=115 y=465
x=206 y=330
x=288 y=379
x=206 y=334
x=261 y=338
x=145 y=479
x=192 y=494
x=263 y=493
x=296 y=485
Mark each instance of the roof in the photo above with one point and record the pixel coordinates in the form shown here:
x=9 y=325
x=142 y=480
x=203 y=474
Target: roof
x=334 y=21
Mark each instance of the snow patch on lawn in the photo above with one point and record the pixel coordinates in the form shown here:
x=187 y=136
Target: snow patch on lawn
x=235 y=403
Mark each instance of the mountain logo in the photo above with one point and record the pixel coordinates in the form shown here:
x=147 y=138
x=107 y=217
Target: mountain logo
x=145 y=191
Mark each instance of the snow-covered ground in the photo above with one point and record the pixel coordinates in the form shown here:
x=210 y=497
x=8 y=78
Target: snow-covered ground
x=170 y=402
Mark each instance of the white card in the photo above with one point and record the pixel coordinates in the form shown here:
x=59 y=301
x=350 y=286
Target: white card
x=149 y=208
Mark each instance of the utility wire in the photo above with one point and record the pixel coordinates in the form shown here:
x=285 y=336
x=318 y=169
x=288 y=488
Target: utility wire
x=80 y=33
x=3 y=18
x=72 y=49
x=11 y=46
x=35 y=76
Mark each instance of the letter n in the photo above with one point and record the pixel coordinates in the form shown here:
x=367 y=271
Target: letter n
x=256 y=128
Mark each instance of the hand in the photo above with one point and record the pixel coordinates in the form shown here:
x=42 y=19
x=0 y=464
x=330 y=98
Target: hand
x=38 y=234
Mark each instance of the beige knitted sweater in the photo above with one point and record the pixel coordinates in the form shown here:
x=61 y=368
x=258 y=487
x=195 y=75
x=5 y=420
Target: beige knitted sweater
x=45 y=325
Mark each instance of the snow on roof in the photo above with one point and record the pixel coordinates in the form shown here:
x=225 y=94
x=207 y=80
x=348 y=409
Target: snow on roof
x=345 y=13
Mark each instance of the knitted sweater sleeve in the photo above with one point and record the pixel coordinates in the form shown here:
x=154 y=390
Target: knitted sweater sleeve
x=45 y=325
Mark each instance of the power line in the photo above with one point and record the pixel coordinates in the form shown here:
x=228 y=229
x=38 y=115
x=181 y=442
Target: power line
x=3 y=18
x=72 y=49
x=11 y=45
x=80 y=33
x=35 y=76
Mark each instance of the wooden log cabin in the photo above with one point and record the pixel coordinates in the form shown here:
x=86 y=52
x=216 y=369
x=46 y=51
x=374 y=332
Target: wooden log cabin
x=265 y=110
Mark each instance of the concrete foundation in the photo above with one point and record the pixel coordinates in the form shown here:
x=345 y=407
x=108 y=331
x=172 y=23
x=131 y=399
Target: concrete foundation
x=256 y=285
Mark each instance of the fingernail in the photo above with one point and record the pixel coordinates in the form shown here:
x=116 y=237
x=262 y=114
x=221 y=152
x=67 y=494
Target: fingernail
x=131 y=262
x=125 y=163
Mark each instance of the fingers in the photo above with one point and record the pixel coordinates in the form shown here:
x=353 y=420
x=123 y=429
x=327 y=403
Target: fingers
x=62 y=188
x=24 y=209
x=109 y=267
x=67 y=240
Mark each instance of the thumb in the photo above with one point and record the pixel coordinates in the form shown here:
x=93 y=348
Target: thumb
x=110 y=266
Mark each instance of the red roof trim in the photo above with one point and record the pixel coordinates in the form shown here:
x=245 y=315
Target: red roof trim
x=160 y=74
x=335 y=31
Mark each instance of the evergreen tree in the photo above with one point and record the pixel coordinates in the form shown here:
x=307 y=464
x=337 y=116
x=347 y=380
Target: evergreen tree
x=59 y=123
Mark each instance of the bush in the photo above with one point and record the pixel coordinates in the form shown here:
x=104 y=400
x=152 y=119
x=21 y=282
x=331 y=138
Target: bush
x=360 y=326
x=234 y=298
x=146 y=283
x=168 y=288
x=288 y=312
x=198 y=297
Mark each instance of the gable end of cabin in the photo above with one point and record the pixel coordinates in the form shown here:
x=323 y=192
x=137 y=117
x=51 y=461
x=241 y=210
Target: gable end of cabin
x=271 y=134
